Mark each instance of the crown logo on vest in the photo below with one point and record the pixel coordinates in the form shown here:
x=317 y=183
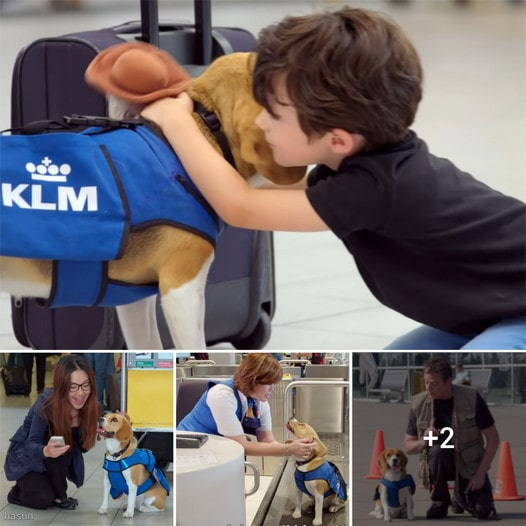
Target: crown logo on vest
x=47 y=171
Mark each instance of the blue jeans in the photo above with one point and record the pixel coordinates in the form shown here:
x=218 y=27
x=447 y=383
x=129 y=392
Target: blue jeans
x=505 y=335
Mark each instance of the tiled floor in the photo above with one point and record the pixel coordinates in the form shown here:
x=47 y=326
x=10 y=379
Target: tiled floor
x=474 y=112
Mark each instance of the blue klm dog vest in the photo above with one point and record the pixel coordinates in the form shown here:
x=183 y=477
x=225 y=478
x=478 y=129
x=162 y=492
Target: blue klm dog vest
x=393 y=487
x=75 y=197
x=140 y=456
x=328 y=472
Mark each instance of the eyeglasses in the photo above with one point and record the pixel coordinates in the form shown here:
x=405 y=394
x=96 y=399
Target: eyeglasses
x=73 y=387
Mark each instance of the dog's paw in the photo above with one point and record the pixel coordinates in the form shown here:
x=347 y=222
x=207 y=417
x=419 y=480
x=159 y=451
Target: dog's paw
x=317 y=522
x=387 y=518
x=128 y=514
x=411 y=517
x=103 y=511
x=296 y=514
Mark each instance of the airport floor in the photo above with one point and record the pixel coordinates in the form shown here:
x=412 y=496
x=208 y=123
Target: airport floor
x=473 y=112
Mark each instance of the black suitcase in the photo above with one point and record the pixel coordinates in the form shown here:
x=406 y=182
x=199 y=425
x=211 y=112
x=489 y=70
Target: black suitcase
x=48 y=82
x=15 y=380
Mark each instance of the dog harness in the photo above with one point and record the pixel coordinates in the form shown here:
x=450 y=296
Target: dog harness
x=75 y=197
x=328 y=472
x=140 y=456
x=393 y=487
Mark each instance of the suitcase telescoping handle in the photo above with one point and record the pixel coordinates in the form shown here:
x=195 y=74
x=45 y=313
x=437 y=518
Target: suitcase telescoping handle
x=203 y=27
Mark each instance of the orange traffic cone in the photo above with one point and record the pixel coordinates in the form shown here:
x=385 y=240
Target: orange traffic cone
x=505 y=486
x=379 y=446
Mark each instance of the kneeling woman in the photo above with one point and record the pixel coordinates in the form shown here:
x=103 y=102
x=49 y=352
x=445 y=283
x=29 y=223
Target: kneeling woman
x=41 y=466
x=240 y=406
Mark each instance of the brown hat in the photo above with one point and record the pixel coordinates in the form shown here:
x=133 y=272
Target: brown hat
x=137 y=72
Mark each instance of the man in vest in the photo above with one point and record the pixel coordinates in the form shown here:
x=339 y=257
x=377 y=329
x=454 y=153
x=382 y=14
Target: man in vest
x=452 y=429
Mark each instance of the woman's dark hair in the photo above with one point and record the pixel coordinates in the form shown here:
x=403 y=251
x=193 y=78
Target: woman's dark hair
x=257 y=369
x=57 y=408
x=352 y=69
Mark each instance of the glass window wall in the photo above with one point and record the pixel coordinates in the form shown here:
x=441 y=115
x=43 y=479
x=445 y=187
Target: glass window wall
x=499 y=376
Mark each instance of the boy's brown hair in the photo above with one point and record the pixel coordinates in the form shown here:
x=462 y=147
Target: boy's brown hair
x=352 y=69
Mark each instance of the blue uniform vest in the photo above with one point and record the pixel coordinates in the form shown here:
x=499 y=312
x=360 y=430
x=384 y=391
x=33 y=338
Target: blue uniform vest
x=328 y=472
x=200 y=419
x=79 y=205
x=393 y=487
x=140 y=456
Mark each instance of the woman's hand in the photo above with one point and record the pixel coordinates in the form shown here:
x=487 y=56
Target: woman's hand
x=302 y=448
x=53 y=449
x=167 y=109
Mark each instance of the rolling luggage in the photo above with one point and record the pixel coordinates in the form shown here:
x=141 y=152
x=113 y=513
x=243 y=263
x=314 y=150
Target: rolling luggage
x=15 y=380
x=48 y=83
x=78 y=328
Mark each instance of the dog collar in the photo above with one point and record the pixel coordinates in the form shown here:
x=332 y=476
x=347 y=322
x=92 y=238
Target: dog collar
x=214 y=124
x=119 y=453
x=303 y=462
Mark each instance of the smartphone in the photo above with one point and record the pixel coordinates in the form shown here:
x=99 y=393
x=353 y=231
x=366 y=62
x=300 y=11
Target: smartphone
x=58 y=440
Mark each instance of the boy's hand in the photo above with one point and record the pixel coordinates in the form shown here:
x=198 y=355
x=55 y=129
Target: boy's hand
x=166 y=109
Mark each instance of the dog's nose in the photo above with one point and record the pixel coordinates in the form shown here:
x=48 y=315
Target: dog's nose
x=101 y=420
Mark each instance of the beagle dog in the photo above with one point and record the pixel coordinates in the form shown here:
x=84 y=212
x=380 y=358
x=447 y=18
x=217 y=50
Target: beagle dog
x=130 y=470
x=159 y=256
x=394 y=495
x=316 y=476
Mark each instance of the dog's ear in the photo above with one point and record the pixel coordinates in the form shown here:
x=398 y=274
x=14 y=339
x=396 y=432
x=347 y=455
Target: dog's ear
x=124 y=432
x=382 y=462
x=404 y=459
